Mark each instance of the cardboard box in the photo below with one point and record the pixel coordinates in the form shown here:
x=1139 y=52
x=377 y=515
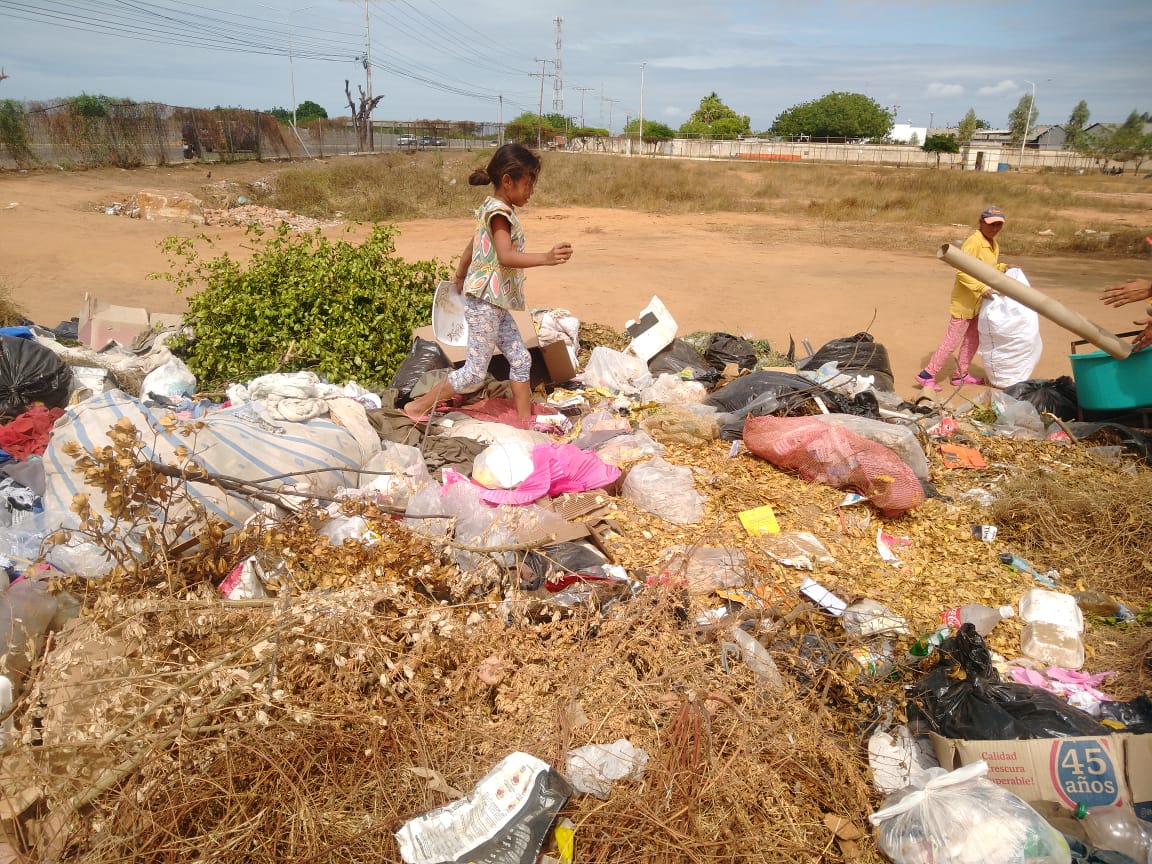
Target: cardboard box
x=1098 y=772
x=551 y=364
x=1138 y=758
x=101 y=323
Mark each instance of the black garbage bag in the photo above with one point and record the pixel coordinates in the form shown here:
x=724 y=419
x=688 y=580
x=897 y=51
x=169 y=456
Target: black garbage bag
x=768 y=392
x=1135 y=715
x=982 y=707
x=739 y=394
x=425 y=356
x=1057 y=396
x=859 y=354
x=29 y=373
x=679 y=357
x=724 y=348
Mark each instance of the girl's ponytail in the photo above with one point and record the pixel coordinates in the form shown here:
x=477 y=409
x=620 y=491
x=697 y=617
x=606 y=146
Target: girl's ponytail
x=479 y=177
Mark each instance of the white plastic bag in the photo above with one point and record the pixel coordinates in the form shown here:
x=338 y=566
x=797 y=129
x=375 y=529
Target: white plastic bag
x=173 y=380
x=593 y=769
x=960 y=817
x=664 y=490
x=1010 y=342
x=616 y=372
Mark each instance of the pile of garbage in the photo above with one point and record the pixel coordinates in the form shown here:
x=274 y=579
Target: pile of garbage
x=694 y=609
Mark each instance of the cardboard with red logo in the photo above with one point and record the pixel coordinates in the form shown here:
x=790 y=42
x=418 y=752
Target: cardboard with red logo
x=1109 y=771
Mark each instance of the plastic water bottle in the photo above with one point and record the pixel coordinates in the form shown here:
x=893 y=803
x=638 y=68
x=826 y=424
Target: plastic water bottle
x=1117 y=829
x=757 y=658
x=983 y=618
x=1015 y=562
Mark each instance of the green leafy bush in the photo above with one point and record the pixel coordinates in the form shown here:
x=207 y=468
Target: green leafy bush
x=343 y=311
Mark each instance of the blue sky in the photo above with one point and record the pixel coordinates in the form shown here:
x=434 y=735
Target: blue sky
x=452 y=60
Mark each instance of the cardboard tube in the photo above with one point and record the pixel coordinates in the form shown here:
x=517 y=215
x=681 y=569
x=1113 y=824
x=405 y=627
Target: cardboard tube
x=1037 y=301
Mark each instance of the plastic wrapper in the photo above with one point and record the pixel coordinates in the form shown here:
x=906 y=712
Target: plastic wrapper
x=670 y=389
x=982 y=707
x=504 y=820
x=664 y=490
x=593 y=769
x=960 y=817
x=623 y=449
x=503 y=464
x=703 y=569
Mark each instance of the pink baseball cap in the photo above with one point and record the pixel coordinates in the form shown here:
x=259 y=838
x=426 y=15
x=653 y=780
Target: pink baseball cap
x=992 y=214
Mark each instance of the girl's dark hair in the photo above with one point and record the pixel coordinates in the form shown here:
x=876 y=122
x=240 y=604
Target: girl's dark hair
x=513 y=159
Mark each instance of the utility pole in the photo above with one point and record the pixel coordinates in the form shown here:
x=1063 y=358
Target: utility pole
x=557 y=74
x=583 y=90
x=500 y=123
x=540 y=111
x=643 y=64
x=1027 y=120
x=610 y=102
x=931 y=117
x=368 y=72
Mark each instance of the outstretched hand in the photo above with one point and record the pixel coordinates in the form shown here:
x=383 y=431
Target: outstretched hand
x=1131 y=291
x=559 y=253
x=1144 y=339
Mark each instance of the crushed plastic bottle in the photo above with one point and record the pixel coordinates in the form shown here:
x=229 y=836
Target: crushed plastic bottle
x=757 y=658
x=928 y=643
x=1015 y=562
x=983 y=618
x=1117 y=829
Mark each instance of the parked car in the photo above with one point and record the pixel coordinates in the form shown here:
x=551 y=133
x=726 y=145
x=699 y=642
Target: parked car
x=406 y=141
x=427 y=141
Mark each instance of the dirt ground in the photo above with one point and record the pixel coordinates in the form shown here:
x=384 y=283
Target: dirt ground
x=747 y=274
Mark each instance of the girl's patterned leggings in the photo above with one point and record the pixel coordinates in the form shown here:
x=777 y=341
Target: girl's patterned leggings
x=489 y=328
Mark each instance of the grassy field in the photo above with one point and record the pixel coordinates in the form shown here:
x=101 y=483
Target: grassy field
x=885 y=206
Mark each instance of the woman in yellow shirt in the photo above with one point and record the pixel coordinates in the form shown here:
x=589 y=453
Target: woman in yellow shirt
x=964 y=310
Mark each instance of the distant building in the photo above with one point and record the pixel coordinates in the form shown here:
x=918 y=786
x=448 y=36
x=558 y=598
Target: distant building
x=903 y=132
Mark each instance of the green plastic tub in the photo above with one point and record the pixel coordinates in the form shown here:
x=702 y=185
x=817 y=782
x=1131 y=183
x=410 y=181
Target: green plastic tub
x=1104 y=383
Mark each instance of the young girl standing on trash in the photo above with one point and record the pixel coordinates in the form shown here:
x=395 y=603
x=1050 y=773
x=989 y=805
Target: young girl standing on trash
x=964 y=309
x=491 y=276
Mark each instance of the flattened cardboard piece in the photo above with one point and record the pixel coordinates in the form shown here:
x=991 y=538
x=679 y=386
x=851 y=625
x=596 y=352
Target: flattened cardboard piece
x=1064 y=771
x=1138 y=756
x=959 y=456
x=551 y=364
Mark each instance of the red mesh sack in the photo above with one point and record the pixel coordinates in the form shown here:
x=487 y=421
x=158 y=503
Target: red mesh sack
x=833 y=455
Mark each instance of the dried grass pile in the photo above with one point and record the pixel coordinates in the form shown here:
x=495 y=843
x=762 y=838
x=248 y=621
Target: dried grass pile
x=169 y=725
x=310 y=728
x=1085 y=521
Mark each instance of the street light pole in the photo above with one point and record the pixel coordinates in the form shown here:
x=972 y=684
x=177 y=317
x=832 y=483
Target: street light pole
x=1027 y=120
x=642 y=65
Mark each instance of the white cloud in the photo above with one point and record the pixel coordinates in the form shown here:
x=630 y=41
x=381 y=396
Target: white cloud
x=1002 y=89
x=944 y=90
x=673 y=111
